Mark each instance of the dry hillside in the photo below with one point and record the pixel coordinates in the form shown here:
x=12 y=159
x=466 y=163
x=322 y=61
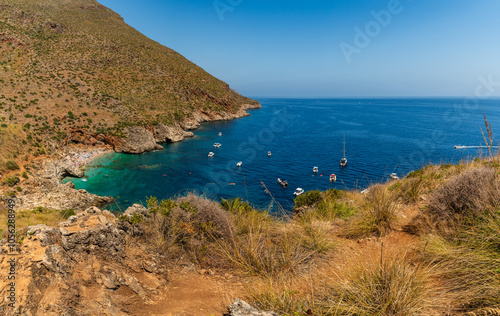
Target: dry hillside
x=74 y=65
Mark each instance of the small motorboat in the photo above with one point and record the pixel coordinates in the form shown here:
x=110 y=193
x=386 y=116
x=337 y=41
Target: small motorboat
x=84 y=180
x=393 y=176
x=268 y=154
x=239 y=164
x=217 y=145
x=210 y=154
x=298 y=192
x=460 y=147
x=220 y=133
x=283 y=183
x=315 y=169
x=333 y=178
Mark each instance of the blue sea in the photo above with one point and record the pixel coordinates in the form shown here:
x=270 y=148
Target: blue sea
x=382 y=136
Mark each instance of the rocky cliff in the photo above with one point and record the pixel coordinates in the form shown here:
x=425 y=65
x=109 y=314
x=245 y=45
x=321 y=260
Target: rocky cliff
x=82 y=267
x=73 y=70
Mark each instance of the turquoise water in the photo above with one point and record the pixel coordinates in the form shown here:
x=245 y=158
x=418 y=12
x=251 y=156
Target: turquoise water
x=382 y=136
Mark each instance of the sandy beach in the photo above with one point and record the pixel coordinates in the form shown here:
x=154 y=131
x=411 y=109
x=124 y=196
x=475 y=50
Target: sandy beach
x=81 y=157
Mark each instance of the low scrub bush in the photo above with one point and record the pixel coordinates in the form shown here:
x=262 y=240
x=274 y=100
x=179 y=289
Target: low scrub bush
x=189 y=223
x=11 y=181
x=11 y=165
x=464 y=200
x=308 y=198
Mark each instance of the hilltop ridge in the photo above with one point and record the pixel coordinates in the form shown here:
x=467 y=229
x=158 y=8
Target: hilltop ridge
x=74 y=71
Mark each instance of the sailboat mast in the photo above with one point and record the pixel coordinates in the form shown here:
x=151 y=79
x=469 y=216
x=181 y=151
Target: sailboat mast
x=344 y=146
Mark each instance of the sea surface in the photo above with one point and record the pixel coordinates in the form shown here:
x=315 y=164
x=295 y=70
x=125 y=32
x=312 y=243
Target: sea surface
x=382 y=136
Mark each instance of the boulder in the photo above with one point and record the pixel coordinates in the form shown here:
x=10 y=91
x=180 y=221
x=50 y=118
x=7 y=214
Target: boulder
x=242 y=308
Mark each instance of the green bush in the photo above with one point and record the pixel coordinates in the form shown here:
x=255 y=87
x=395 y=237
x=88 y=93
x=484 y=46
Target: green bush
x=11 y=181
x=308 y=198
x=11 y=165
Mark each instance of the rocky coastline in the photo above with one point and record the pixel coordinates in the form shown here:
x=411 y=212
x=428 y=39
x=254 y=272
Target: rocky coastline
x=141 y=139
x=44 y=189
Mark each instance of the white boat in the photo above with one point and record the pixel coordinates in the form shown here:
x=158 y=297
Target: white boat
x=269 y=154
x=394 y=176
x=298 y=192
x=84 y=180
x=333 y=178
x=220 y=133
x=460 y=147
x=239 y=164
x=343 y=161
x=211 y=154
x=283 y=183
x=315 y=169
x=217 y=145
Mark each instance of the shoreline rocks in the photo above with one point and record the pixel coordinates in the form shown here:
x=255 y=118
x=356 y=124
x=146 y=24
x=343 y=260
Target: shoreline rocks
x=139 y=139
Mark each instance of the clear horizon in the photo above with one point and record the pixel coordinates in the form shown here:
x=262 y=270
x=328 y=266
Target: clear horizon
x=332 y=49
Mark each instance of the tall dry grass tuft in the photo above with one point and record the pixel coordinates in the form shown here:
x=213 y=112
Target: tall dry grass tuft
x=268 y=252
x=262 y=245
x=396 y=285
x=469 y=268
x=488 y=138
x=377 y=215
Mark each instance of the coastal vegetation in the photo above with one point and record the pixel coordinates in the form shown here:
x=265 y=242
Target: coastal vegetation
x=77 y=66
x=427 y=244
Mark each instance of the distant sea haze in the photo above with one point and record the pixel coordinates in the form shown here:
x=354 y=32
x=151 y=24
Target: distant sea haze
x=382 y=136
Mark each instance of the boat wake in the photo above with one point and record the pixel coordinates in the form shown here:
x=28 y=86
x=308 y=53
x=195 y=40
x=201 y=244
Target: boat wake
x=466 y=147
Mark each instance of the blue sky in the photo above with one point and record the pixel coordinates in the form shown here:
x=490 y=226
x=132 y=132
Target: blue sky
x=331 y=48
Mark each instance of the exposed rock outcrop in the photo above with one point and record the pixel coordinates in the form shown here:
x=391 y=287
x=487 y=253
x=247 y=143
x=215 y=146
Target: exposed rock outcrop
x=170 y=134
x=43 y=189
x=242 y=308
x=82 y=267
x=61 y=168
x=137 y=141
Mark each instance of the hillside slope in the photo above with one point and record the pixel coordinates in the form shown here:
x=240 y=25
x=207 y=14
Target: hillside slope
x=74 y=68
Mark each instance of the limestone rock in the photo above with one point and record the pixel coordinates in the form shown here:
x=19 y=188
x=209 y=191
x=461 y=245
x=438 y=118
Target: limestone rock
x=79 y=267
x=242 y=308
x=136 y=209
x=61 y=168
x=137 y=140
x=170 y=134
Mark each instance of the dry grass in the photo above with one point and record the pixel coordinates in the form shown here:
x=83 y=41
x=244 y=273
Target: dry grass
x=377 y=215
x=396 y=285
x=27 y=218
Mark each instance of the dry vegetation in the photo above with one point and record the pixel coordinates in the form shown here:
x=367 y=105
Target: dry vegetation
x=431 y=248
x=75 y=65
x=387 y=252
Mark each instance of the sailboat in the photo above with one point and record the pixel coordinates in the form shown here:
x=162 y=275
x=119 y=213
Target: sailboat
x=343 y=161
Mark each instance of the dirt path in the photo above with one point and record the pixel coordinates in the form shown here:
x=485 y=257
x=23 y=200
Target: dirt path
x=195 y=292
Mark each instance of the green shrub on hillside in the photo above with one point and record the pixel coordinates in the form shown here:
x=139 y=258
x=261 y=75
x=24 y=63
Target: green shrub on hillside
x=11 y=181
x=11 y=165
x=308 y=198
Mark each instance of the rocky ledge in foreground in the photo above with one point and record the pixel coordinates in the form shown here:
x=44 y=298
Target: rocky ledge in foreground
x=82 y=267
